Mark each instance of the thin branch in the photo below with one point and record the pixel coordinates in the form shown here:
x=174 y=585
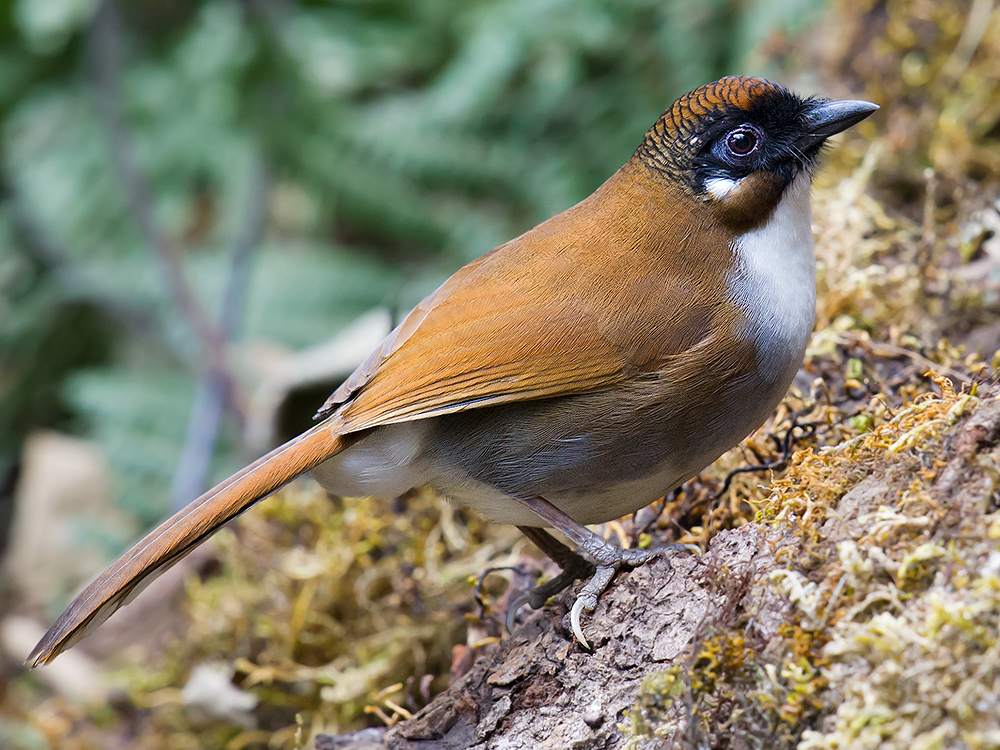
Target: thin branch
x=233 y=310
x=216 y=384
x=191 y=474
x=104 y=45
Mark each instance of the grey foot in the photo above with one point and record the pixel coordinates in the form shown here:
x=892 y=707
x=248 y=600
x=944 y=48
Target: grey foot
x=610 y=558
x=574 y=568
x=607 y=557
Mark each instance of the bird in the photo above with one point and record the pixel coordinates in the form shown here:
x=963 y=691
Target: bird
x=580 y=371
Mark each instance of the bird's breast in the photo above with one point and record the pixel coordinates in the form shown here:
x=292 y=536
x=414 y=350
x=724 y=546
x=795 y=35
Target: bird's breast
x=773 y=283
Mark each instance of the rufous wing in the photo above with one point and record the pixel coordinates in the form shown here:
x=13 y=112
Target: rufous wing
x=575 y=305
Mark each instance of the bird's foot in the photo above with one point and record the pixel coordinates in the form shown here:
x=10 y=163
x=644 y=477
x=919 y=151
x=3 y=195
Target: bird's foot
x=609 y=558
x=574 y=568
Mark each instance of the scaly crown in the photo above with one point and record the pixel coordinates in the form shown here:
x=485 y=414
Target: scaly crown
x=677 y=136
x=742 y=92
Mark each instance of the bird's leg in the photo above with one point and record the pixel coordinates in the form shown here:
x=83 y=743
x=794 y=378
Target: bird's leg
x=607 y=557
x=574 y=567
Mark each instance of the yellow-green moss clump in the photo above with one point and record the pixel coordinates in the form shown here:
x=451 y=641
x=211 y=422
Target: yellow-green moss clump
x=325 y=615
x=340 y=613
x=901 y=568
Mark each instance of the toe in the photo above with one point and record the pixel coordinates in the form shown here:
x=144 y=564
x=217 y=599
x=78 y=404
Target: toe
x=513 y=609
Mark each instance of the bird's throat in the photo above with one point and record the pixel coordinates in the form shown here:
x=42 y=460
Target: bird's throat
x=773 y=281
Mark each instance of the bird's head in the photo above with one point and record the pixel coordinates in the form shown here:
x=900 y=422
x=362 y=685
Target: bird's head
x=739 y=142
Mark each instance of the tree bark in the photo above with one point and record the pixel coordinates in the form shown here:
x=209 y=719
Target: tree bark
x=540 y=688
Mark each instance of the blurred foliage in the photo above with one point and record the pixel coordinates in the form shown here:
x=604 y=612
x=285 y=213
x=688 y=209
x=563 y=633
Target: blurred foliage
x=398 y=139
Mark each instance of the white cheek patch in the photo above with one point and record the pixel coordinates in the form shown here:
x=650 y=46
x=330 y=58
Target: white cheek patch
x=721 y=187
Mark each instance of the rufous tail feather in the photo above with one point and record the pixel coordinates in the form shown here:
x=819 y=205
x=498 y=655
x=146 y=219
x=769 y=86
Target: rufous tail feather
x=182 y=532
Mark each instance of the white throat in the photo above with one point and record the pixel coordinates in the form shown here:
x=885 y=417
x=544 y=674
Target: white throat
x=774 y=281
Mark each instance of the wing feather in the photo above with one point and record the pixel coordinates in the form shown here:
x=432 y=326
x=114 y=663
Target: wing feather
x=581 y=303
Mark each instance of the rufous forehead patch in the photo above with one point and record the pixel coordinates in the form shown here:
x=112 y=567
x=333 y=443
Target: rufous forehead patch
x=732 y=91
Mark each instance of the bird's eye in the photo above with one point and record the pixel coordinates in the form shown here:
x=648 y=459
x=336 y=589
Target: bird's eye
x=742 y=141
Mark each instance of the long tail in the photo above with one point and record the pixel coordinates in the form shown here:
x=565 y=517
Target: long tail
x=181 y=533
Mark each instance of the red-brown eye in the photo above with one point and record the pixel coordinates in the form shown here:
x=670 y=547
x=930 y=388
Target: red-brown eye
x=742 y=141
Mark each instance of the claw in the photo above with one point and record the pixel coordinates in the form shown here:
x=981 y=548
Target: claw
x=586 y=600
x=512 y=610
x=574 y=619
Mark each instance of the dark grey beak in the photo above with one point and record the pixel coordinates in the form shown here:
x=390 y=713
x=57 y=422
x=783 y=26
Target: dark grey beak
x=829 y=118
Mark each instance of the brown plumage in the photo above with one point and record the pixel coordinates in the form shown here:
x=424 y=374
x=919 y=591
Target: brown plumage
x=582 y=369
x=493 y=333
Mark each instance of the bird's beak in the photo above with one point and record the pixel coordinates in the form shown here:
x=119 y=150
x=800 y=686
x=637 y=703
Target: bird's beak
x=829 y=118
